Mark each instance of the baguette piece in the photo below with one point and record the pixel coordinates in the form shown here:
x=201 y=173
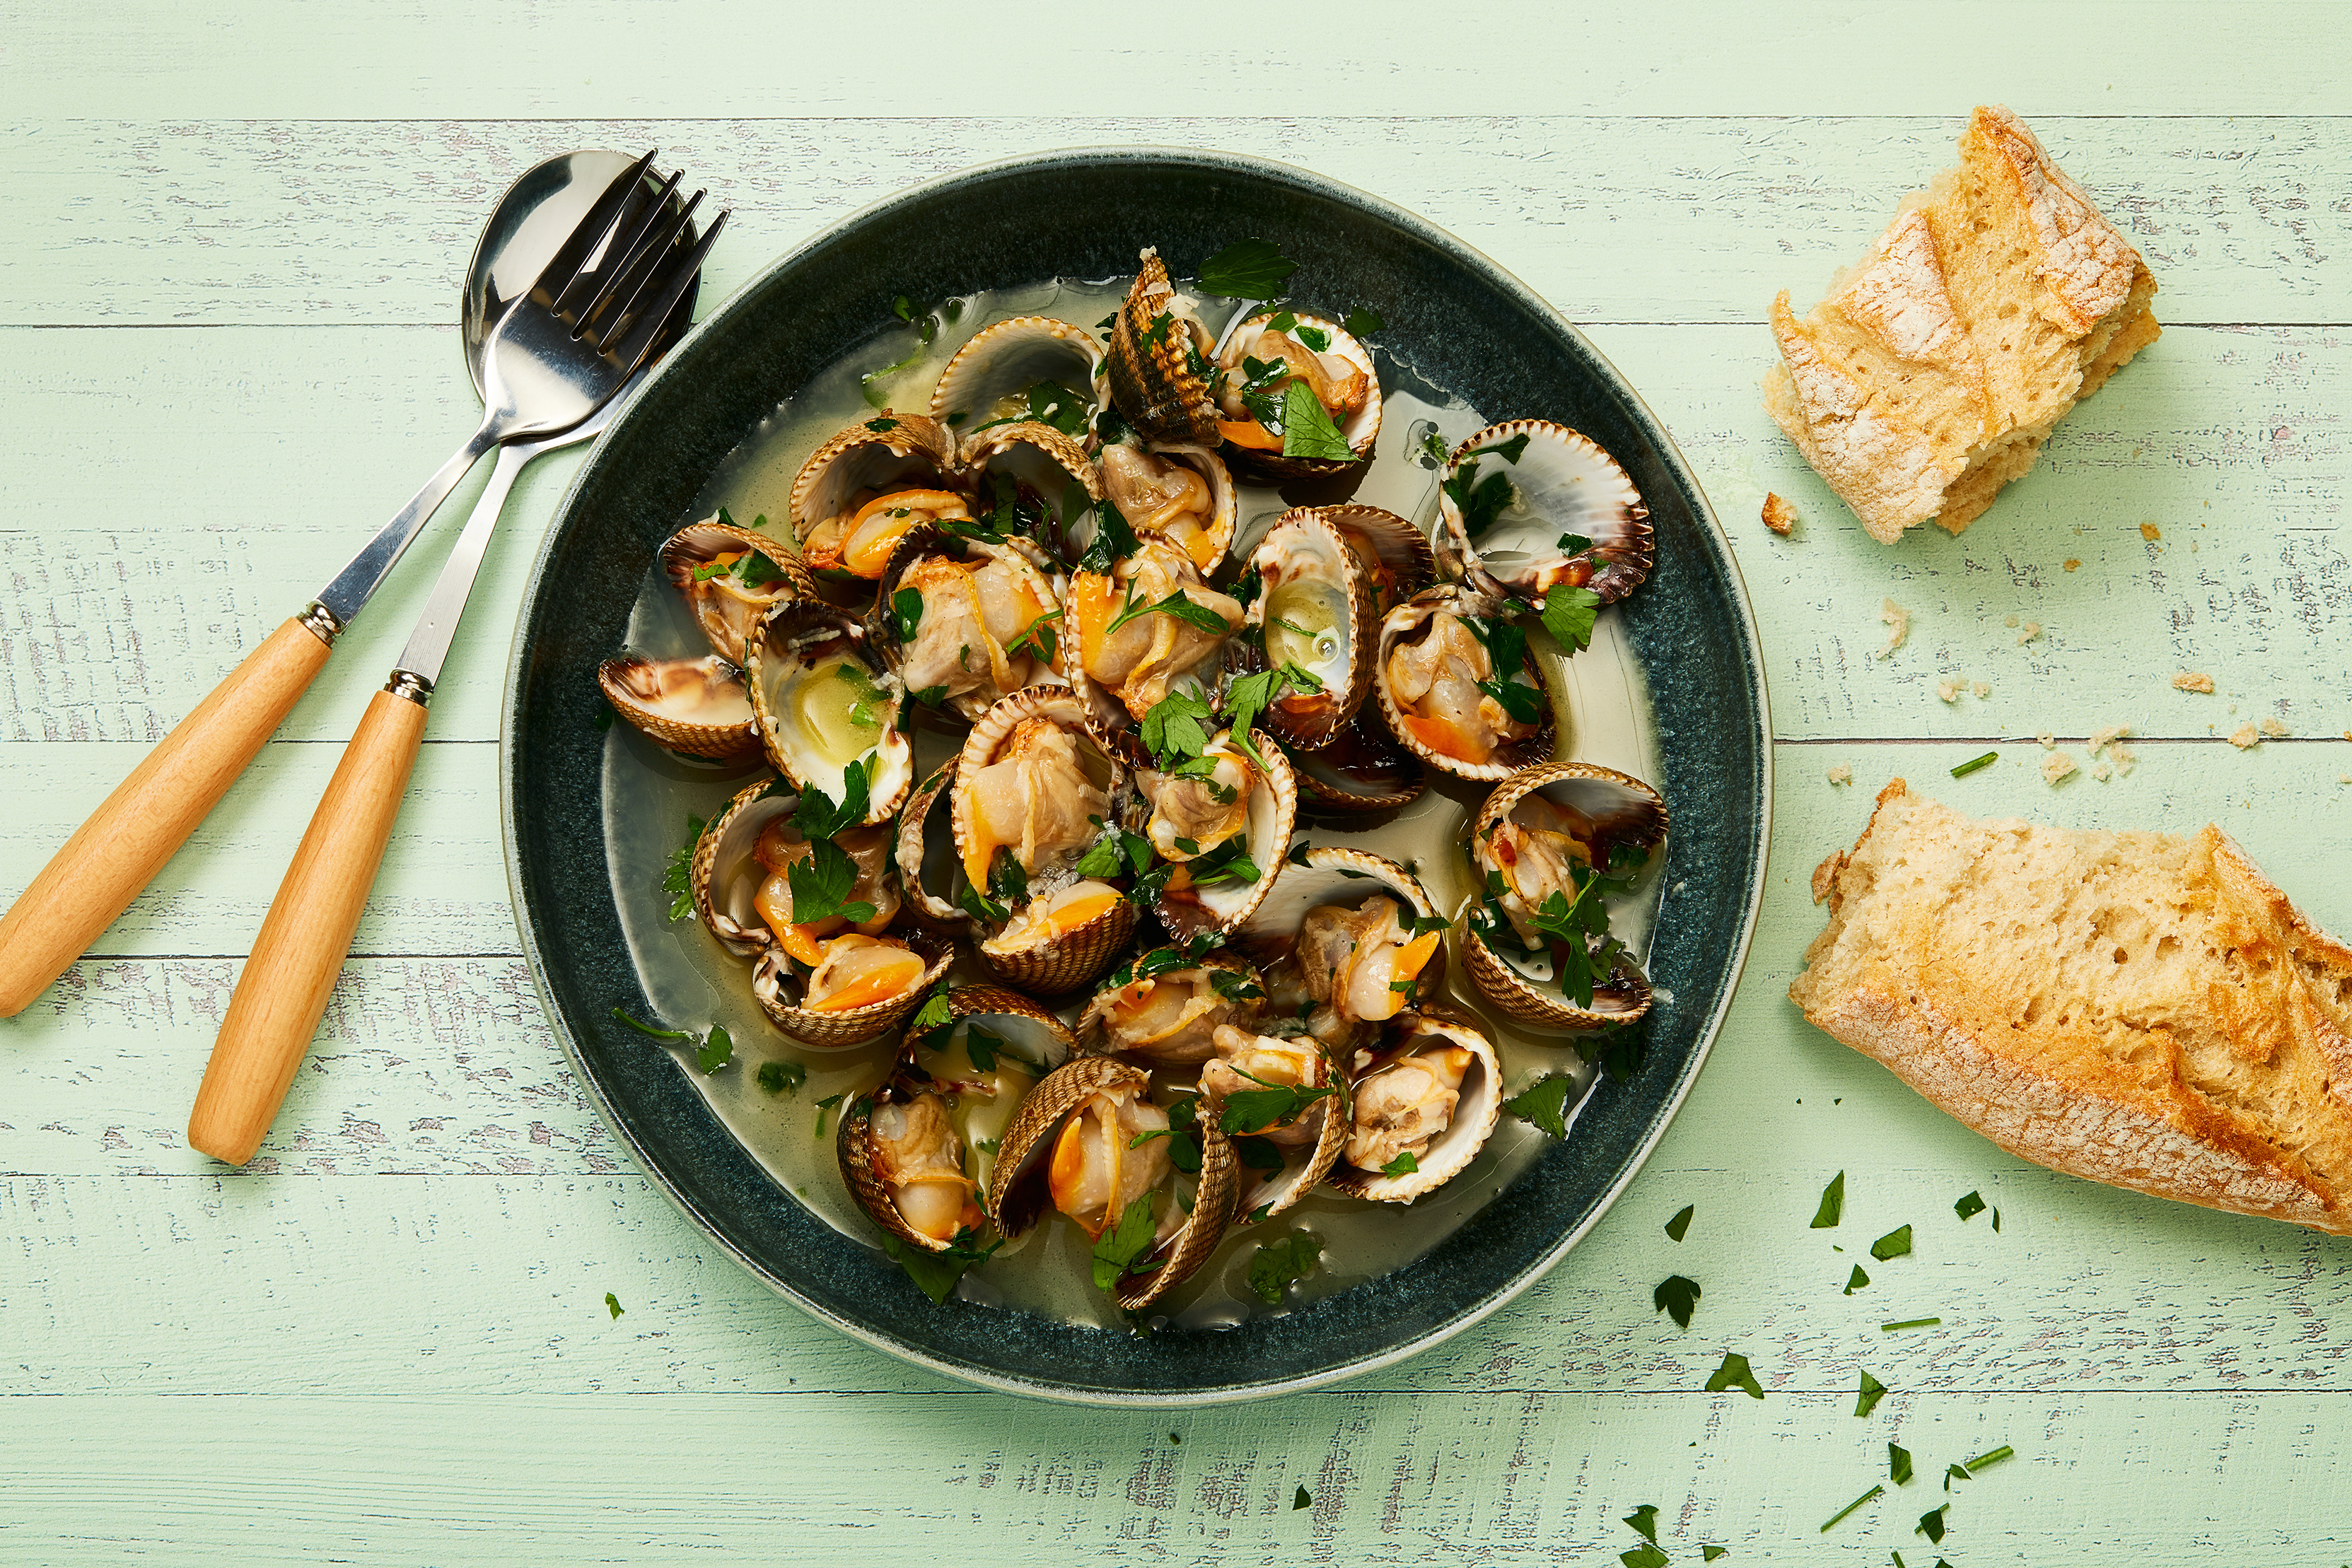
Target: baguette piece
x=2140 y=1008
x=1932 y=373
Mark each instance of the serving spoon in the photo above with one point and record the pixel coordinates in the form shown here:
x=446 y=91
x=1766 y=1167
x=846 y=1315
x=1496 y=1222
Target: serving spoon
x=119 y=848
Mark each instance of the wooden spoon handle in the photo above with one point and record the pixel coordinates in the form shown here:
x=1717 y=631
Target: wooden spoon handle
x=283 y=991
x=127 y=840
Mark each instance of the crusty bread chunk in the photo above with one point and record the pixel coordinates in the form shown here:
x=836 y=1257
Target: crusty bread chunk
x=2138 y=1007
x=1930 y=376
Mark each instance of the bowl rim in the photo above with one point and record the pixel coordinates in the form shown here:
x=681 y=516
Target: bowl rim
x=1249 y=166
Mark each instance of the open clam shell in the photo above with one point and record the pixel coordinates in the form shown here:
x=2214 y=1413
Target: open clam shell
x=1316 y=608
x=1181 y=494
x=1046 y=959
x=1175 y=654
x=1031 y=482
x=729 y=577
x=698 y=706
x=1515 y=500
x=1360 y=770
x=825 y=702
x=1164 y=1009
x=1272 y=808
x=1341 y=356
x=1343 y=878
x=1602 y=809
x=990 y=378
x=1397 y=556
x=966 y=591
x=1266 y=1194
x=929 y=868
x=1472 y=1123
x=889 y=454
x=723 y=875
x=1458 y=742
x=1157 y=362
x=774 y=985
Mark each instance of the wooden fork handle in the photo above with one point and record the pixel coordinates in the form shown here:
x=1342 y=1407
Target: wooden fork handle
x=127 y=840
x=283 y=991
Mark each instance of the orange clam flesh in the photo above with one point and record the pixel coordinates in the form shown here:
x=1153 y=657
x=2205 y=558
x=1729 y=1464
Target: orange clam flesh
x=858 y=971
x=918 y=1155
x=1162 y=496
x=780 y=845
x=859 y=541
x=1098 y=1169
x=1435 y=683
x=1362 y=964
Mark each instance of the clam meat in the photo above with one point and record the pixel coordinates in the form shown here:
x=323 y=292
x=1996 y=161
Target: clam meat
x=779 y=846
x=1458 y=685
x=1121 y=637
x=1167 y=1010
x=1423 y=1102
x=1183 y=495
x=982 y=626
x=1267 y=355
x=729 y=577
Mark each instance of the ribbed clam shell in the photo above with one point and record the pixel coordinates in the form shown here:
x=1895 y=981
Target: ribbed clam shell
x=891 y=451
x=994 y=1001
x=1361 y=431
x=1409 y=562
x=1223 y=500
x=853 y=1026
x=1068 y=961
x=1094 y=1024
x=1333 y=876
x=922 y=542
x=1049 y=461
x=791 y=631
x=615 y=676
x=717 y=875
x=1303 y=544
x=854 y=1151
x=1281 y=1190
x=1008 y=358
x=915 y=854
x=1472 y=1125
x=1151 y=374
x=1404 y=622
x=1213 y=1196
x=1273 y=812
x=1361 y=770
x=1017 y=1196
x=1561 y=484
x=728 y=615
x=1625 y=811
x=995 y=726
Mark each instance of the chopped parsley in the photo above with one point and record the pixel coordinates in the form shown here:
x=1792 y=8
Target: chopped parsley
x=1433 y=452
x=1247 y=269
x=1569 y=614
x=1193 y=614
x=1276 y=1265
x=1644 y=1556
x=1734 y=1373
x=1895 y=1243
x=678 y=877
x=1270 y=1104
x=1873 y=1493
x=1403 y=1165
x=1249 y=695
x=1177 y=726
x=1994 y=1458
x=1675 y=1296
x=1645 y=1522
x=1123 y=1245
x=906 y=612
x=782 y=1077
x=1307 y=430
x=823 y=1105
x=1909 y=1323
x=613 y=1305
x=1832 y=1203
x=1931 y=1524
x=1969 y=1207
x=1679 y=1226
x=1856 y=1281
x=1363 y=323
x=1039 y=638
x=1574 y=932
x=711 y=1050
x=821 y=883
x=1544 y=1103
x=1873 y=1391
x=1301 y=1500
x=1480 y=501
x=1973 y=763
x=1899 y=1464
x=936 y=1273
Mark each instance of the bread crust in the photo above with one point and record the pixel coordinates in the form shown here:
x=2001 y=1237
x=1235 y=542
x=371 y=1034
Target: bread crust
x=2209 y=1062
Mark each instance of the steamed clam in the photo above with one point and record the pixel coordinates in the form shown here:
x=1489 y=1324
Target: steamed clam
x=1315 y=611
x=1424 y=1100
x=827 y=708
x=1031 y=485
x=729 y=577
x=1345 y=940
x=1528 y=506
x=1548 y=846
x=698 y=706
x=1135 y=631
x=740 y=878
x=1165 y=1008
x=1223 y=823
x=1184 y=495
x=1360 y=771
x=1029 y=368
x=965 y=622
x=1265 y=356
x=1459 y=688
x=1282 y=1097
x=1157 y=362
x=860 y=492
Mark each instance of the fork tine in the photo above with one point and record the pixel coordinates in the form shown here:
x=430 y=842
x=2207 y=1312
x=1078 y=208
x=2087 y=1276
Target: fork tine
x=623 y=249
x=631 y=350
x=645 y=270
x=581 y=244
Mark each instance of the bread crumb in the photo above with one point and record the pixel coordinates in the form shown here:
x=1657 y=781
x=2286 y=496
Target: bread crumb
x=1898 y=623
x=2010 y=622
x=1779 y=516
x=2123 y=758
x=2340 y=779
x=2150 y=532
x=2193 y=681
x=2102 y=738
x=1948 y=689
x=2275 y=728
x=1841 y=774
x=2245 y=737
x=2073 y=563
x=1981 y=690
x=2049 y=742
x=2100 y=771
x=2033 y=629
x=2056 y=766
x=1825 y=874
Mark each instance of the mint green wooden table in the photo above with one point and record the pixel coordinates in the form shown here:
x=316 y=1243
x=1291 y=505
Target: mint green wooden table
x=387 y=1342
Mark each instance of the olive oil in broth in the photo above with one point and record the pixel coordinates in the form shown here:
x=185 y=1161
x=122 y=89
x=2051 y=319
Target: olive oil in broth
x=650 y=796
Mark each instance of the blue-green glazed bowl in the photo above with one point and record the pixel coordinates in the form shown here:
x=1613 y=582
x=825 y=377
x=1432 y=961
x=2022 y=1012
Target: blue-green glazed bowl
x=1465 y=325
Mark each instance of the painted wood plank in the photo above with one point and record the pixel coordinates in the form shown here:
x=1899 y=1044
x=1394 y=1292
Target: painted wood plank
x=823 y=1479
x=128 y=221
x=2232 y=445
x=280 y=59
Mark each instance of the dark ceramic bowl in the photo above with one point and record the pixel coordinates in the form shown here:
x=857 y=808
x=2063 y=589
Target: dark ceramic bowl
x=1467 y=326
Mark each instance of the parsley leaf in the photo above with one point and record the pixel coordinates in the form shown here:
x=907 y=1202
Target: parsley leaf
x=1645 y=1522
x=1104 y=858
x=1480 y=501
x=1247 y=269
x=936 y=1273
x=1679 y=1226
x=1123 y=1244
x=1856 y=1281
x=1832 y=1203
x=1569 y=613
x=1175 y=604
x=1249 y=695
x=1873 y=1391
x=603 y=718
x=1177 y=726
x=678 y=877
x=782 y=1077
x=1545 y=1104
x=1278 y=1264
x=1268 y=1105
x=1363 y=323
x=1301 y=1500
x=1403 y=1165
x=1315 y=338
x=1895 y=1243
x=1644 y=1556
x=1734 y=1373
x=1432 y=449
x=1969 y=1206
x=1114 y=541
x=715 y=1048
x=906 y=612
x=1931 y=1524
x=933 y=1014
x=821 y=886
x=1675 y=1296
x=1307 y=430
x=1709 y=1554
x=1899 y=1464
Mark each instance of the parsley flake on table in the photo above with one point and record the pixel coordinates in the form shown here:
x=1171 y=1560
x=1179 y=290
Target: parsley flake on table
x=1873 y=1391
x=1895 y=1243
x=1931 y=1524
x=1679 y=1226
x=612 y=1304
x=1676 y=1295
x=1734 y=1373
x=1644 y=1520
x=1277 y=1265
x=1969 y=1207
x=1899 y=1464
x=1644 y=1556
x=1711 y=1552
x=1301 y=1500
x=1856 y=1281
x=1909 y=1323
x=1247 y=269
x=1832 y=1203
x=1544 y=1103
x=678 y=877
x=1994 y=1458
x=1955 y=1473
x=1833 y=1519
